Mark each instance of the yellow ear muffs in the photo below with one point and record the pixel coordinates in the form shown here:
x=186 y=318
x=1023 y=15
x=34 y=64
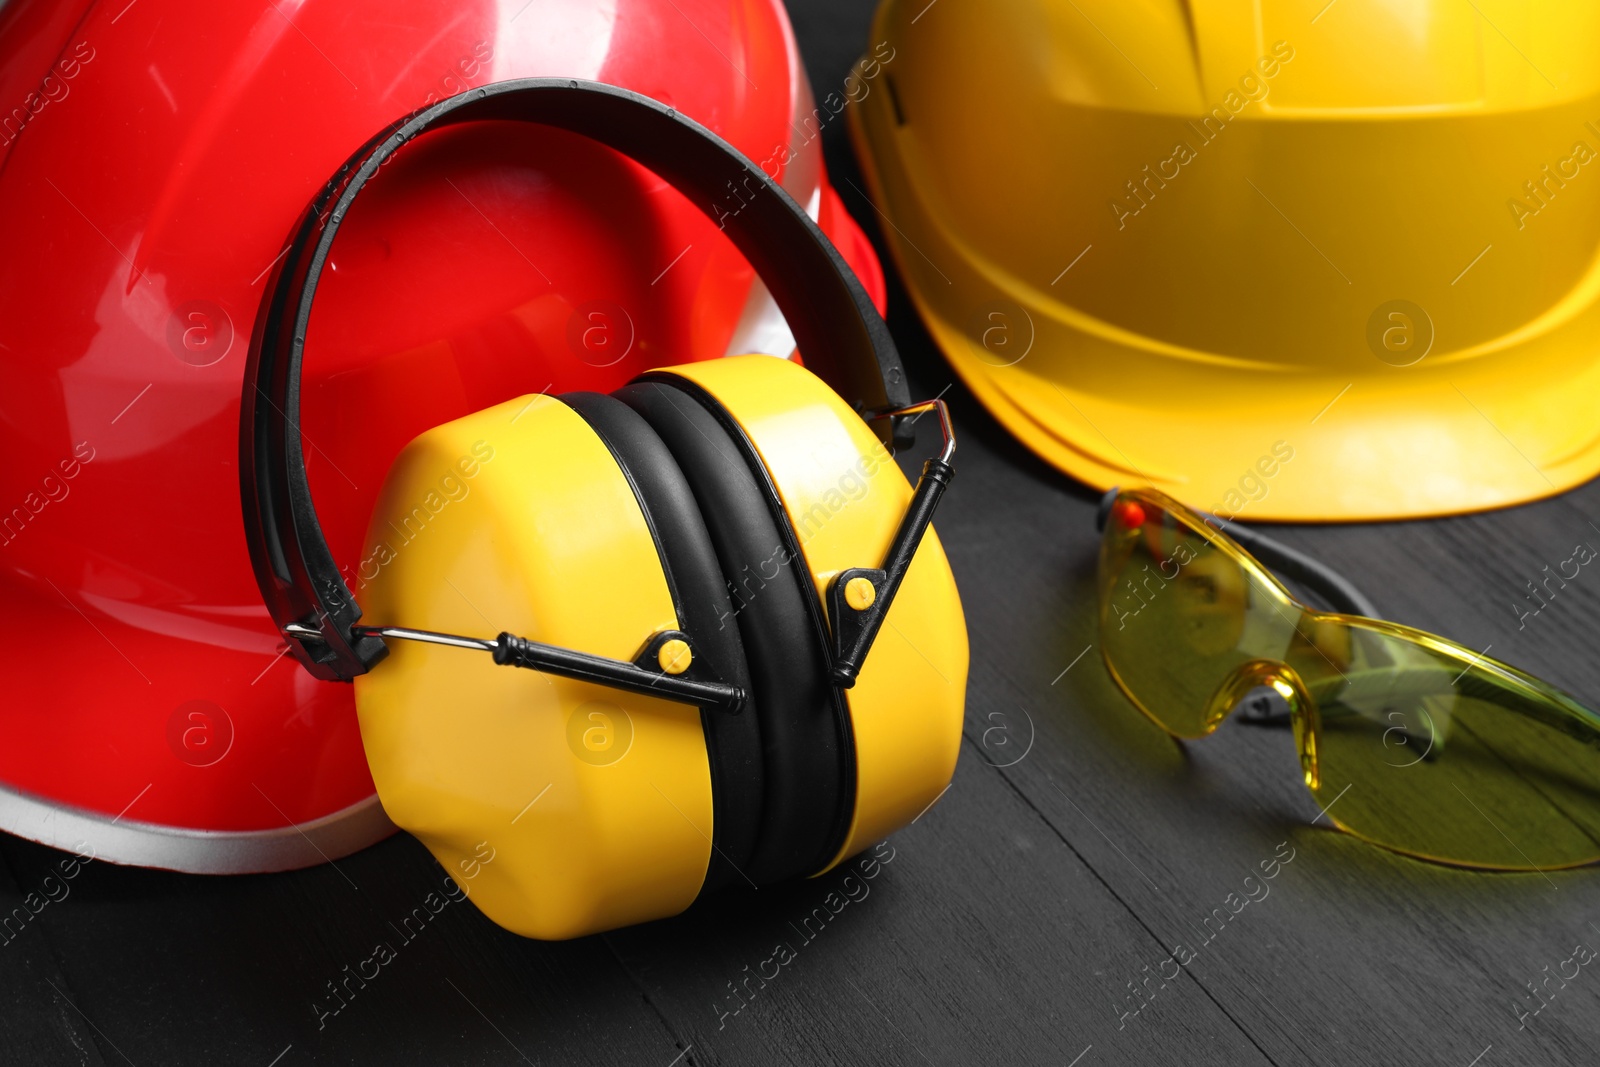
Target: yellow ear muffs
x=746 y=655
x=565 y=808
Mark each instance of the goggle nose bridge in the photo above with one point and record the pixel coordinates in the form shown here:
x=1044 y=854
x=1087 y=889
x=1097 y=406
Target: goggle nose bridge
x=1284 y=680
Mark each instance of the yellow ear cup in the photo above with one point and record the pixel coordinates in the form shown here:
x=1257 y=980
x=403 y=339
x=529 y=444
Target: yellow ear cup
x=562 y=808
x=844 y=496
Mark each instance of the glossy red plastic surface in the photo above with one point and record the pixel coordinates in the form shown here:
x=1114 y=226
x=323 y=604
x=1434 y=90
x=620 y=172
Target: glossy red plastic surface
x=165 y=149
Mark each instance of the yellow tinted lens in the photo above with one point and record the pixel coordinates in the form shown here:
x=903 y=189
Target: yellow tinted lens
x=1181 y=616
x=1426 y=750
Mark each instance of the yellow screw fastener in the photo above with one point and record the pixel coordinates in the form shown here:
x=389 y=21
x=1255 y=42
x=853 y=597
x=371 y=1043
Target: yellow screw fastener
x=859 y=593
x=674 y=656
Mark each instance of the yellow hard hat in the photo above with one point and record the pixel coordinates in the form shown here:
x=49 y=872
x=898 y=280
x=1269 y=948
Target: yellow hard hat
x=1295 y=259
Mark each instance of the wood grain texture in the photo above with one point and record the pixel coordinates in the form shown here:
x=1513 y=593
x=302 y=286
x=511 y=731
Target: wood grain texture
x=1026 y=918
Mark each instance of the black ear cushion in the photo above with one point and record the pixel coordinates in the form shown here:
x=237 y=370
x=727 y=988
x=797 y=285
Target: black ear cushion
x=694 y=576
x=810 y=755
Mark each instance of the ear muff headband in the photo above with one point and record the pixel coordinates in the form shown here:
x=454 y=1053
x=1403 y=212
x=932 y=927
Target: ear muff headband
x=834 y=323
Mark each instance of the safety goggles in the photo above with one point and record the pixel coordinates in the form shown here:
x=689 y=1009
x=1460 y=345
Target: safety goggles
x=1407 y=740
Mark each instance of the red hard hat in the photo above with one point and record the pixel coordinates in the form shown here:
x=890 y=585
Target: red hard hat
x=159 y=156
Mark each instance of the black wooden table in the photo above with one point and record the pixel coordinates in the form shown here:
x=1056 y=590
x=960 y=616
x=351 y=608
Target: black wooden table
x=1026 y=918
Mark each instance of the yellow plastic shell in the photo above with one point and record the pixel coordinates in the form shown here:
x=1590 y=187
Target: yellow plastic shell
x=565 y=808
x=845 y=496
x=561 y=807
x=1169 y=243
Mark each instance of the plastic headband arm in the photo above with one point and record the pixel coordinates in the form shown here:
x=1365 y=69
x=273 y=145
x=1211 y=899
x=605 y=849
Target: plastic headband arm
x=692 y=684
x=834 y=323
x=856 y=627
